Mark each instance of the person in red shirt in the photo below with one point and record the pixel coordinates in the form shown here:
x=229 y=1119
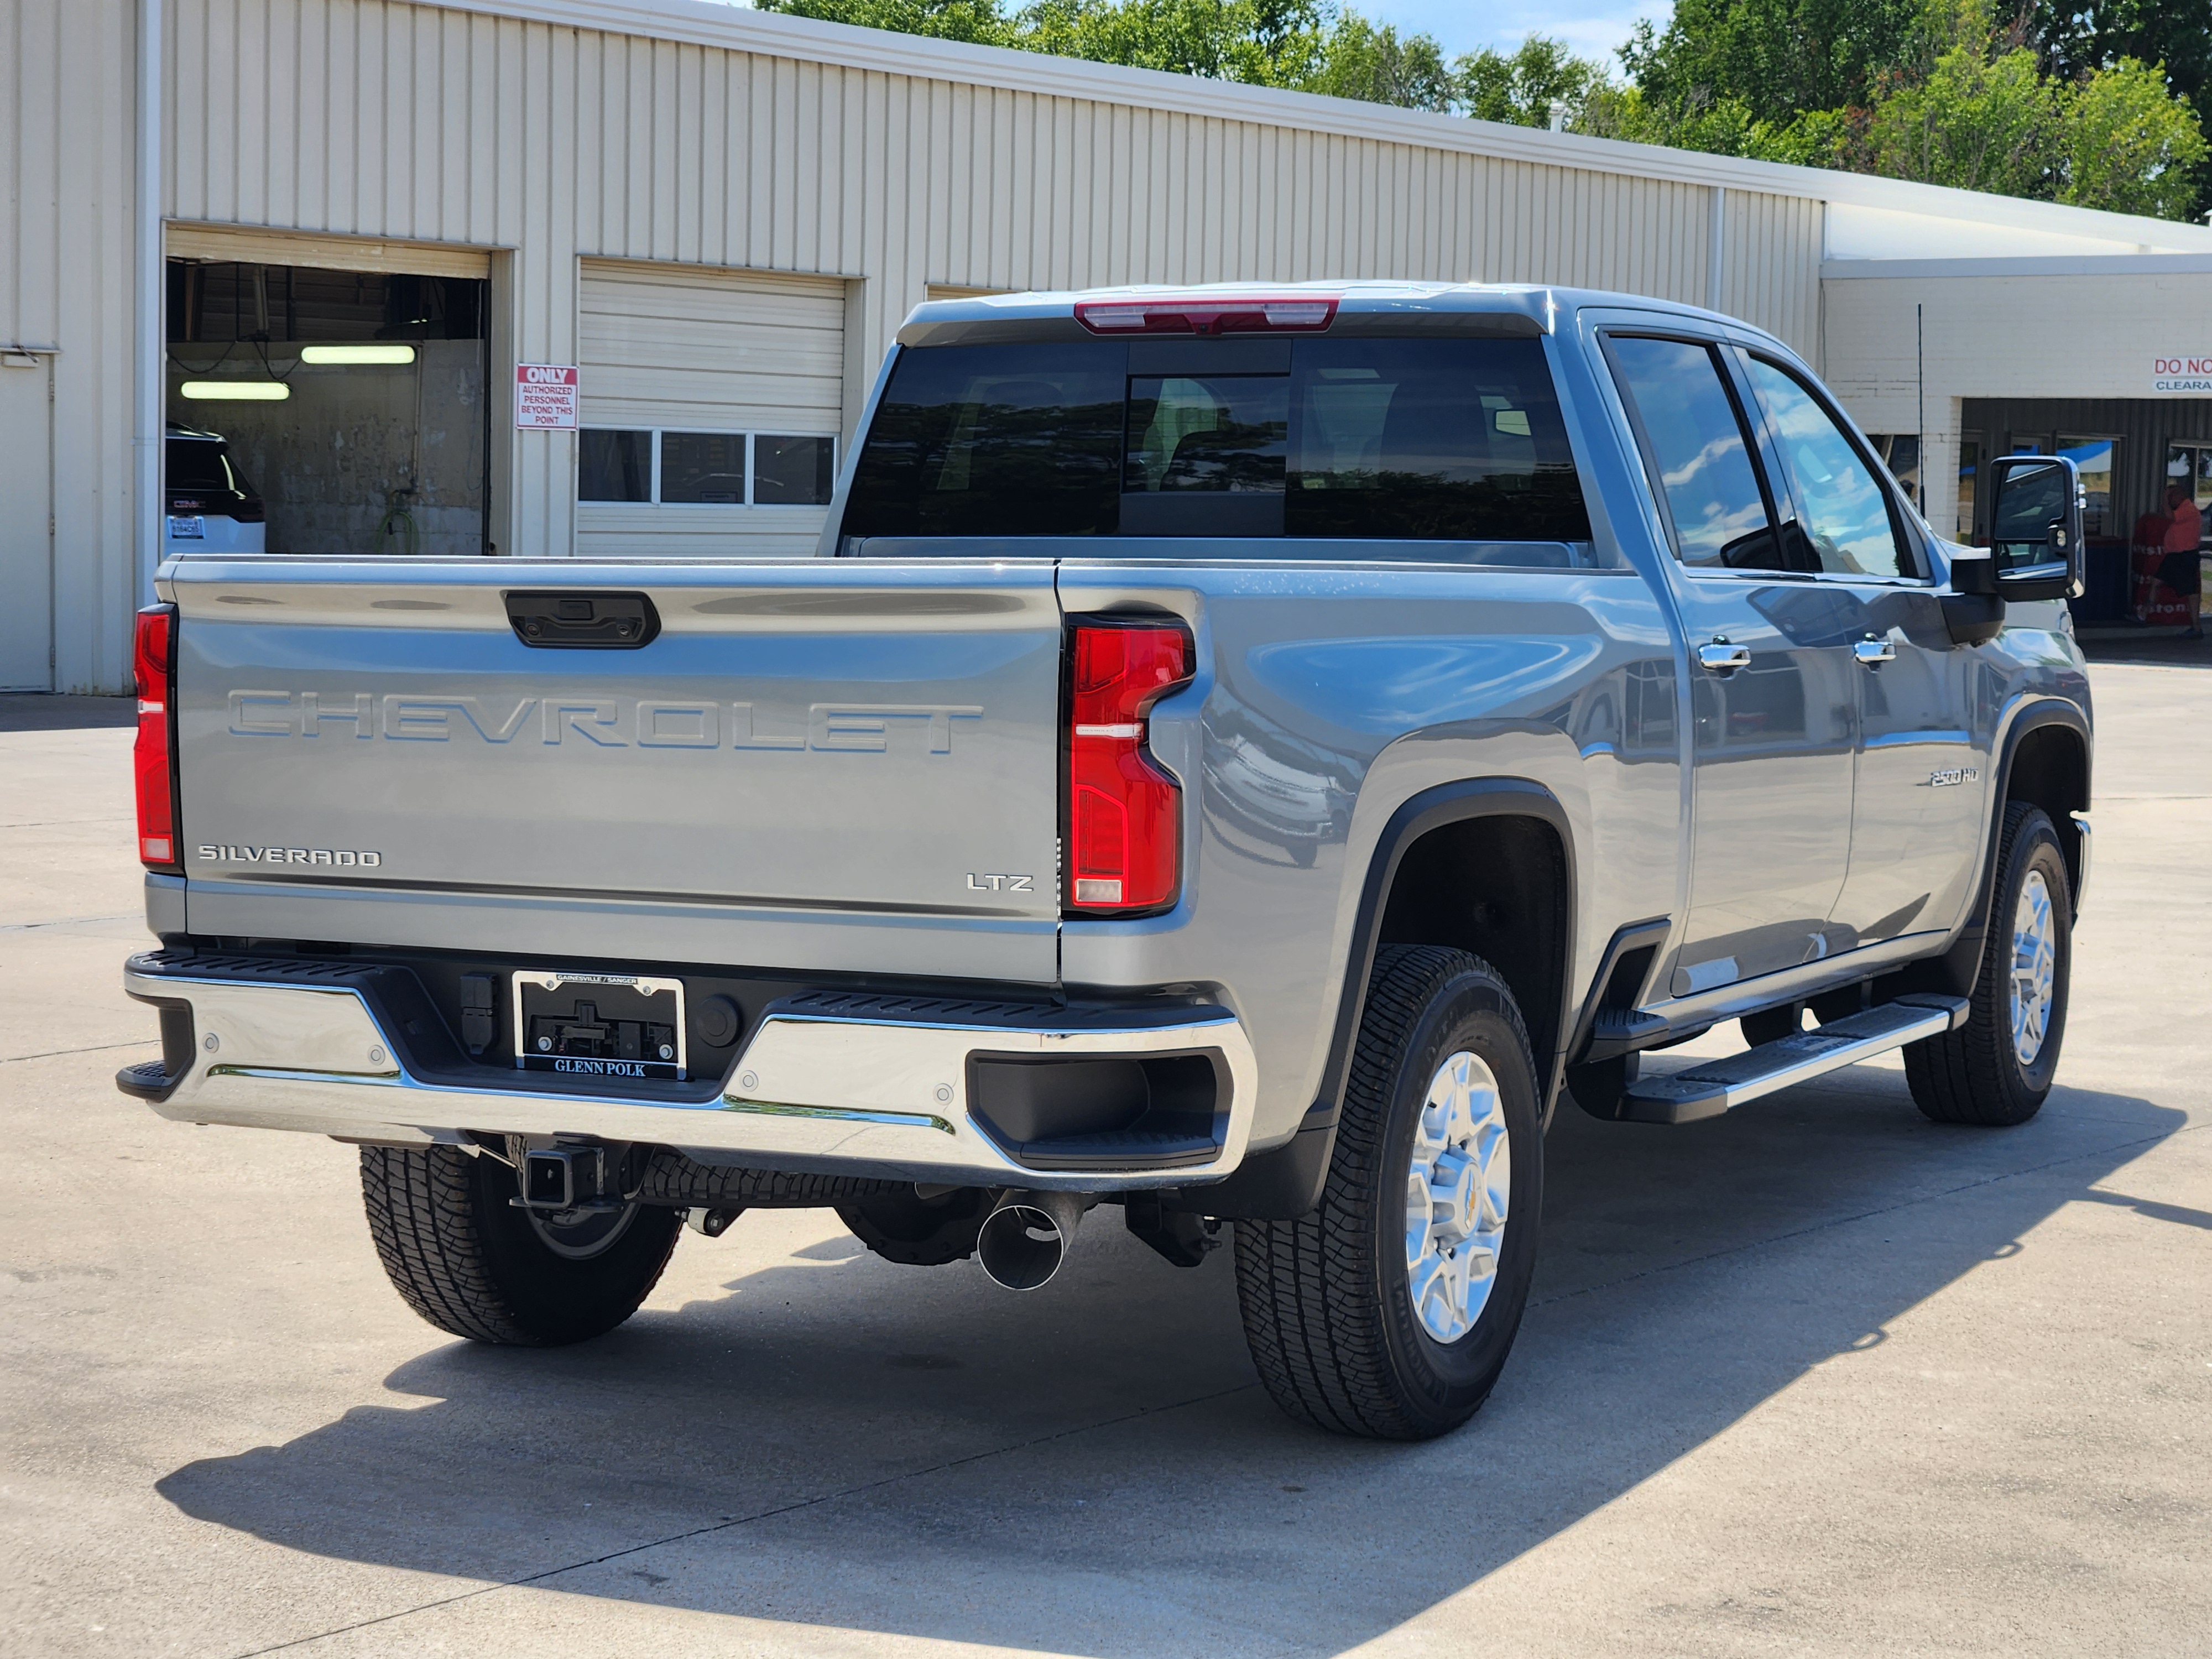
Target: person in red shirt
x=2183 y=569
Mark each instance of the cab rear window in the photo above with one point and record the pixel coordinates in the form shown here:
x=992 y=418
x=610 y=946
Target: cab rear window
x=1362 y=440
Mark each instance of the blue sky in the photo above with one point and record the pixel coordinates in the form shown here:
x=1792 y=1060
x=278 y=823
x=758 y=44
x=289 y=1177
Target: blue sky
x=1592 y=27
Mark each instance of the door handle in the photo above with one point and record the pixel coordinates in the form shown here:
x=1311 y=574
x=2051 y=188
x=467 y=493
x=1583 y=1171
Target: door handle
x=1722 y=659
x=1874 y=653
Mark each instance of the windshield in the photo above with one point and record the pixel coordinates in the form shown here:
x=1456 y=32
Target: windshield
x=1436 y=440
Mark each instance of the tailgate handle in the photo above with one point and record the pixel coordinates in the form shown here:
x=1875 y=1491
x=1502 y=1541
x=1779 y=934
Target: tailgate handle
x=583 y=622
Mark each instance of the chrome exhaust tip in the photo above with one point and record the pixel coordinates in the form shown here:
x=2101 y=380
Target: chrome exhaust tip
x=1026 y=1238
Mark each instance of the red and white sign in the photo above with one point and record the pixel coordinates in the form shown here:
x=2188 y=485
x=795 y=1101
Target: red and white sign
x=545 y=396
x=2189 y=374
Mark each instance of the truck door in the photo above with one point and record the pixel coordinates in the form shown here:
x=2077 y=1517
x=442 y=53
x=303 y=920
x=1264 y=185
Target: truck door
x=1772 y=695
x=1922 y=793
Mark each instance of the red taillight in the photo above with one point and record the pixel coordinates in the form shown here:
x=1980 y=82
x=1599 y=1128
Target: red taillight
x=154 y=657
x=1209 y=313
x=1124 y=812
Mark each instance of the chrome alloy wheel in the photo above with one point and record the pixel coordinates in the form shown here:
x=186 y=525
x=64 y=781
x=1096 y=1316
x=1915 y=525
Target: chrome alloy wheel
x=1458 y=1185
x=2034 y=968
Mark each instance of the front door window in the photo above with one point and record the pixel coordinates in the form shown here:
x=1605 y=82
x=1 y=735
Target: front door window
x=1841 y=506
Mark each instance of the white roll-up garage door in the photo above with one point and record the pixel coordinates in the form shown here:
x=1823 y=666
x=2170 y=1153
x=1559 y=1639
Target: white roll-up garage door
x=711 y=406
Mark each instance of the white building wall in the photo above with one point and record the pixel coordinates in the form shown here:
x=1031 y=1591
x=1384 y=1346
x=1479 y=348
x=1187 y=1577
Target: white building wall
x=2074 y=331
x=66 y=143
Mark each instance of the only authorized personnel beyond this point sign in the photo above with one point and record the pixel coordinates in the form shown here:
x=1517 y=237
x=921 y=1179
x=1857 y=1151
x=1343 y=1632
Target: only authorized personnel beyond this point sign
x=545 y=396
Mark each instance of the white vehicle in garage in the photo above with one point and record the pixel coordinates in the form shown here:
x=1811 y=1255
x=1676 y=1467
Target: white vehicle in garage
x=209 y=506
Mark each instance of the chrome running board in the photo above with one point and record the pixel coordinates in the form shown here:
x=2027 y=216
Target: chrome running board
x=1708 y=1089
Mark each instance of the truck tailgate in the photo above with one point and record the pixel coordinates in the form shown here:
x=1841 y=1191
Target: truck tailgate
x=805 y=752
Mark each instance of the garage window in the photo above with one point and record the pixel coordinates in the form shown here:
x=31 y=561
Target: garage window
x=615 y=466
x=664 y=467
x=792 y=471
x=702 y=468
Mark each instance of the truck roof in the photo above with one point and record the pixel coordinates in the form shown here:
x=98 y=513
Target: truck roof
x=939 y=322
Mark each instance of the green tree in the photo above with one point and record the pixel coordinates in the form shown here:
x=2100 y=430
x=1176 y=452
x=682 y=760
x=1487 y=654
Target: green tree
x=1781 y=58
x=979 y=22
x=1262 y=42
x=1372 y=61
x=2079 y=39
x=2127 y=145
x=1975 y=123
x=1540 y=84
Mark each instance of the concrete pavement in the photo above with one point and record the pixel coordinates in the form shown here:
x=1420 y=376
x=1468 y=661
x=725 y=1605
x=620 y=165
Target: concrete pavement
x=1817 y=1377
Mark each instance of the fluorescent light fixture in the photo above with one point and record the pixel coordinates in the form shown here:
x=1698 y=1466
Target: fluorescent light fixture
x=234 y=392
x=357 y=354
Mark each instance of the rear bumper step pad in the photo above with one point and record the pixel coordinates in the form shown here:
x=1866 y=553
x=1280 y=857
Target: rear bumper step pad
x=1708 y=1089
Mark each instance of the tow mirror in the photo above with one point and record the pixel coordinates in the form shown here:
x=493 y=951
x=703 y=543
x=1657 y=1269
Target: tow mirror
x=2035 y=527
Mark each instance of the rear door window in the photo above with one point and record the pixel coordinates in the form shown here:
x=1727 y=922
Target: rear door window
x=1359 y=440
x=1698 y=452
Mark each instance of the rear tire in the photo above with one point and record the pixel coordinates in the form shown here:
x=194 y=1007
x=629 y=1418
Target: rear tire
x=1996 y=1069
x=469 y=1262
x=1331 y=1311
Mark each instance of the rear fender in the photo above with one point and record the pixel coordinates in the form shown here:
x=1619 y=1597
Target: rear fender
x=1285 y=1181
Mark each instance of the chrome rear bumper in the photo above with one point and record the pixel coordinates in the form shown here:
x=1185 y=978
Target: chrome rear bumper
x=859 y=1093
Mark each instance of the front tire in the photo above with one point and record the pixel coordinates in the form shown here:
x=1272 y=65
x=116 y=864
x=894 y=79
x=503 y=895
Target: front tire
x=1388 y=1311
x=471 y=1263
x=1996 y=1069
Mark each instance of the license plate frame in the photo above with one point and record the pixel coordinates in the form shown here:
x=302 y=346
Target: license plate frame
x=187 y=527
x=551 y=1033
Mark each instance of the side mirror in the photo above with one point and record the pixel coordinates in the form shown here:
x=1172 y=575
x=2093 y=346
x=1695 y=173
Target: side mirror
x=2035 y=526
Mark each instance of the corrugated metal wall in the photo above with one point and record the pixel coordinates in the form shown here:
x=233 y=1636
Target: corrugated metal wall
x=393 y=120
x=66 y=139
x=1770 y=267
x=377 y=119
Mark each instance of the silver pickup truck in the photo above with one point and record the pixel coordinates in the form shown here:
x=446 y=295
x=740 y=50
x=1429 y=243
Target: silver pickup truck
x=1241 y=755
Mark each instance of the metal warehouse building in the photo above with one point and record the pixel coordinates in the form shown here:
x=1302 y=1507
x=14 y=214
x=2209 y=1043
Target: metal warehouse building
x=386 y=251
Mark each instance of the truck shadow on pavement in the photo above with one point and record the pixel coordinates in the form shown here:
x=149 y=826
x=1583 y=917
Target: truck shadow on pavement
x=1093 y=1469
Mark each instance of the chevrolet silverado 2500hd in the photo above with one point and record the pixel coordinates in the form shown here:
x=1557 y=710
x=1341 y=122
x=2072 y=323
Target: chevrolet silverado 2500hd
x=1241 y=757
